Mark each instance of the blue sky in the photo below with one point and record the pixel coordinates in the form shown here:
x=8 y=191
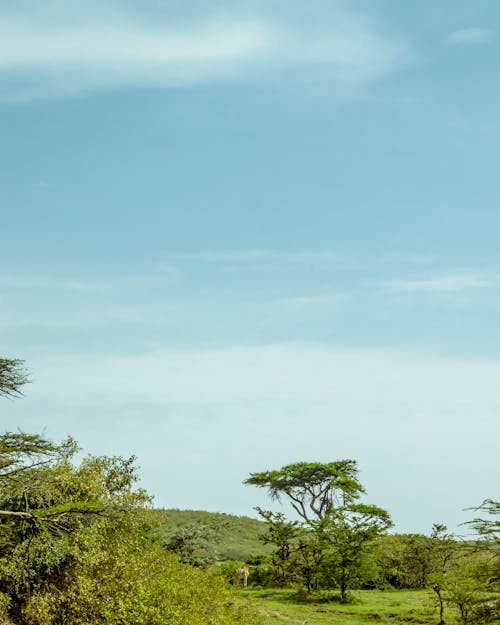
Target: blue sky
x=237 y=235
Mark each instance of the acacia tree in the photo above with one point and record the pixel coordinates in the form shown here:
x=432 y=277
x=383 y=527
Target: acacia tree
x=13 y=376
x=336 y=527
x=464 y=586
x=489 y=533
x=489 y=528
x=312 y=488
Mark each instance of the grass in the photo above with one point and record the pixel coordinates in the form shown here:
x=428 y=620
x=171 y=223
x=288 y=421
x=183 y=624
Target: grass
x=369 y=607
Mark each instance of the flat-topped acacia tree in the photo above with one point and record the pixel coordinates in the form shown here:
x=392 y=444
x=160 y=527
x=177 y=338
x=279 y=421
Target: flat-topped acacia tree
x=337 y=528
x=313 y=488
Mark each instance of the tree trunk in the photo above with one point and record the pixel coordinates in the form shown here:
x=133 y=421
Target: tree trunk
x=437 y=589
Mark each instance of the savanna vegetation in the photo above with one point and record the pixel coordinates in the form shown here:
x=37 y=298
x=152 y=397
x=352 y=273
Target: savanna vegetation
x=80 y=543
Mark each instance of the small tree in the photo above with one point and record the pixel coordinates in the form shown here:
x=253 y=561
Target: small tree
x=284 y=536
x=347 y=531
x=444 y=547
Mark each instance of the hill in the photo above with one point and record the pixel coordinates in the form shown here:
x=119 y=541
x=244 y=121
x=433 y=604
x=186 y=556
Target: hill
x=239 y=536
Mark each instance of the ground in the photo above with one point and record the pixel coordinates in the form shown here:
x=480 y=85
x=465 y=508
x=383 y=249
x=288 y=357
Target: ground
x=368 y=607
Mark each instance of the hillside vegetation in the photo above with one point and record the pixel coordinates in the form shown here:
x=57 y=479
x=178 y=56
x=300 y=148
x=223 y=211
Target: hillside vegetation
x=238 y=538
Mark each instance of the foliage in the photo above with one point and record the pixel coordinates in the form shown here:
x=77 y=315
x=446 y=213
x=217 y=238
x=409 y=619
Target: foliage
x=488 y=528
x=412 y=560
x=312 y=487
x=80 y=553
x=120 y=577
x=489 y=533
x=462 y=591
x=49 y=506
x=228 y=568
x=346 y=531
x=324 y=550
x=194 y=543
x=470 y=588
x=284 y=536
x=13 y=376
x=237 y=536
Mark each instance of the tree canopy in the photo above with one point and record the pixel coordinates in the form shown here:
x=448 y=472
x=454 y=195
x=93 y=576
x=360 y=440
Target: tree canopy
x=488 y=528
x=13 y=376
x=313 y=488
x=335 y=530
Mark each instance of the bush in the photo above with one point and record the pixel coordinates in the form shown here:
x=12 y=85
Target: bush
x=130 y=580
x=228 y=568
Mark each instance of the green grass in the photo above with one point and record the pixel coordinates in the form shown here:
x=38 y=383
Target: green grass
x=370 y=607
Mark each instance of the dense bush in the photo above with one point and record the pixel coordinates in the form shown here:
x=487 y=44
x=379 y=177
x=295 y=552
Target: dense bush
x=77 y=546
x=124 y=579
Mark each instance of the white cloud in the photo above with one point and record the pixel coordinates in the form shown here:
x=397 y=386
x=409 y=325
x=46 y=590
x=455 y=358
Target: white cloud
x=472 y=35
x=442 y=284
x=64 y=53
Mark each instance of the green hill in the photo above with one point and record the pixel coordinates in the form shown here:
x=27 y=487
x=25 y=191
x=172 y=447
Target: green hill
x=239 y=536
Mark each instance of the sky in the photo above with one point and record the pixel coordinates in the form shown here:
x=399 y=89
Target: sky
x=236 y=235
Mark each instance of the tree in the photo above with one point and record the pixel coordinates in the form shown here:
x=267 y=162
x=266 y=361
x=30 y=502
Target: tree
x=12 y=377
x=489 y=533
x=52 y=510
x=28 y=496
x=444 y=547
x=489 y=529
x=284 y=536
x=313 y=488
x=346 y=531
x=488 y=570
x=335 y=527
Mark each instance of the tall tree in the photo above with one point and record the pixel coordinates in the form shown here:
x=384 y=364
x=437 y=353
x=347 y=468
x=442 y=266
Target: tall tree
x=336 y=527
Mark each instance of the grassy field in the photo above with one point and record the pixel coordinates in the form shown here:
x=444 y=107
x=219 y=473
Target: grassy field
x=369 y=607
